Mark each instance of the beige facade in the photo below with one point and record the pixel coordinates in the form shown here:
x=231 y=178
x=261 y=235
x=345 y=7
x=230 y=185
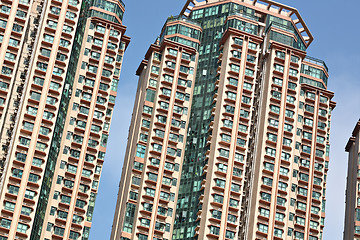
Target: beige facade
x=151 y=172
x=60 y=64
x=352 y=209
x=257 y=168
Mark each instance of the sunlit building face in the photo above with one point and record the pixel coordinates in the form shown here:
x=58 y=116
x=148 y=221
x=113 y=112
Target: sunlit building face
x=245 y=154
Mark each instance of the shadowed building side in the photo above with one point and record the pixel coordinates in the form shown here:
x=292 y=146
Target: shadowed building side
x=352 y=207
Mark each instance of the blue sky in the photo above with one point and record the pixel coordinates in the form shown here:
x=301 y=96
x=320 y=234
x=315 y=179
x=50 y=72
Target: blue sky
x=335 y=27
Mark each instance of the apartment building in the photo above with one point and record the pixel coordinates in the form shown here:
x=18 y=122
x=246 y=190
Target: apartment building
x=255 y=154
x=352 y=208
x=60 y=62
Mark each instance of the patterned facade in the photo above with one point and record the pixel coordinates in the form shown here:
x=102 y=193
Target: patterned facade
x=60 y=64
x=257 y=148
x=157 y=136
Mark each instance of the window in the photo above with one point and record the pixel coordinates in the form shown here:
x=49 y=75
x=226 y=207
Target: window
x=276 y=95
x=263 y=228
x=273 y=123
x=293 y=72
x=229 y=234
x=249 y=72
x=37 y=162
x=145 y=123
x=24 y=141
x=279 y=68
x=270 y=151
x=5 y=223
x=269 y=166
x=242 y=128
x=288 y=127
x=233 y=203
x=307 y=135
x=86 y=173
x=280 y=54
x=218 y=198
x=267 y=181
x=285 y=156
x=294 y=59
x=284 y=171
x=291 y=85
x=304 y=177
x=147 y=109
x=224 y=153
x=278 y=81
x=272 y=137
x=231 y=95
x=252 y=46
x=264 y=212
x=236 y=54
x=287 y=142
x=150 y=95
x=214 y=230
x=17 y=173
x=247 y=86
x=278 y=232
x=266 y=196
x=140 y=151
x=133 y=195
x=302 y=191
x=300 y=220
x=228 y=123
x=235 y=68
x=62 y=215
x=220 y=183
x=290 y=99
x=244 y=113
x=282 y=186
x=306 y=149
x=48 y=38
x=59 y=231
x=216 y=214
x=71 y=168
x=155 y=69
x=9 y=206
x=279 y=217
x=3 y=86
x=275 y=109
x=136 y=181
x=310 y=95
x=29 y=194
x=245 y=99
x=73 y=235
x=239 y=157
x=281 y=201
x=143 y=237
x=33 y=178
x=15 y=43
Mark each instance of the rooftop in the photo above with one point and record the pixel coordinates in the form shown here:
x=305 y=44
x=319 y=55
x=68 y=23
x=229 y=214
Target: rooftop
x=352 y=138
x=266 y=5
x=181 y=18
x=316 y=61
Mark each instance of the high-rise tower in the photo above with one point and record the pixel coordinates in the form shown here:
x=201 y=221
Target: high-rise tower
x=60 y=64
x=352 y=208
x=256 y=150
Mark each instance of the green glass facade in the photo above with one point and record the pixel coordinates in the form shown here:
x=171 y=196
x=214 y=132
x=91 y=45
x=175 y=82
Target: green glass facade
x=51 y=162
x=213 y=21
x=60 y=123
